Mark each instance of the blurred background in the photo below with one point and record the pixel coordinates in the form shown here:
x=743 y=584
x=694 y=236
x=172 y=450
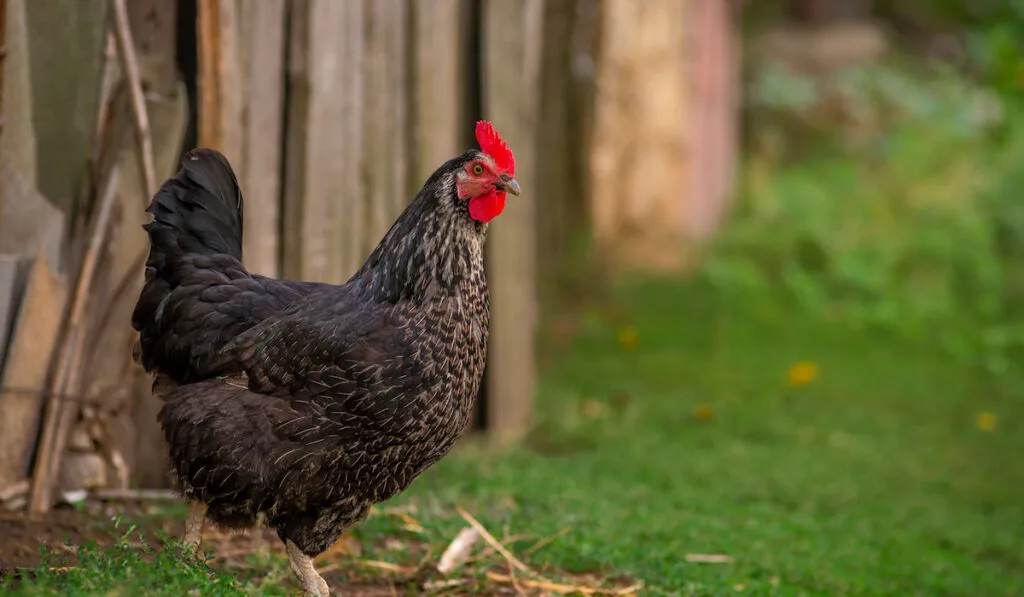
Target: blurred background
x=762 y=298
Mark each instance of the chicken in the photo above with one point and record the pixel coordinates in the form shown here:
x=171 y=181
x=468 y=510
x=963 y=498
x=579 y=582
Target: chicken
x=309 y=402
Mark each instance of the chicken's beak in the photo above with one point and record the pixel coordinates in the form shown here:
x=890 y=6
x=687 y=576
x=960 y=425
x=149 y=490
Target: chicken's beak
x=509 y=185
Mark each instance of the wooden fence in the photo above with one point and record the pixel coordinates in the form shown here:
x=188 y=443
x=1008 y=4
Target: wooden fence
x=333 y=113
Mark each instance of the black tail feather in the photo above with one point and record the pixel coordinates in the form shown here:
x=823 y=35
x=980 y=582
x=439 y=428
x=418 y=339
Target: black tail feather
x=196 y=232
x=199 y=210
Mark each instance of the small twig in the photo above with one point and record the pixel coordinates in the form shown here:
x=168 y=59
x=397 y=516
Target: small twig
x=380 y=565
x=513 y=562
x=458 y=551
x=70 y=351
x=329 y=568
x=564 y=589
x=131 y=495
x=441 y=585
x=708 y=558
x=489 y=538
x=130 y=66
x=489 y=551
x=545 y=541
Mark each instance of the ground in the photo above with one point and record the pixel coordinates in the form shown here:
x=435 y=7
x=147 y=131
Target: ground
x=804 y=458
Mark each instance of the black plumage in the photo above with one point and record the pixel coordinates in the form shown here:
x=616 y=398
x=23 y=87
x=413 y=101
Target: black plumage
x=309 y=402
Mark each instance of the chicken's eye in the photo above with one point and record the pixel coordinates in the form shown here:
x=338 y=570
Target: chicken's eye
x=478 y=169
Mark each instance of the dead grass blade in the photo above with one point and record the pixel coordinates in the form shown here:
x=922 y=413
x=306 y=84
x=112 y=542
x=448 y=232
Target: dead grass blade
x=513 y=561
x=564 y=589
x=708 y=558
x=545 y=541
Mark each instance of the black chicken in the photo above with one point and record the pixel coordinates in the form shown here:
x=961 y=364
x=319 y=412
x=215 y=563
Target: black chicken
x=310 y=402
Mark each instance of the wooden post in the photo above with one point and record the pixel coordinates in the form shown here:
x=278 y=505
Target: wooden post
x=438 y=112
x=220 y=79
x=325 y=216
x=262 y=38
x=512 y=52
x=388 y=136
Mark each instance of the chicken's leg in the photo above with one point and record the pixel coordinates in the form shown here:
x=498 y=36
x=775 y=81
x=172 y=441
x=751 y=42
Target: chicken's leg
x=259 y=542
x=194 y=526
x=302 y=566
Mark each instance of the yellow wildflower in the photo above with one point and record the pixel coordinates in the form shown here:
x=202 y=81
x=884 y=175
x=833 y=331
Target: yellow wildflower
x=628 y=338
x=703 y=413
x=985 y=421
x=802 y=373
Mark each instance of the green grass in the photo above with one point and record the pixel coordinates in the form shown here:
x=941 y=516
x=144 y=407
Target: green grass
x=872 y=480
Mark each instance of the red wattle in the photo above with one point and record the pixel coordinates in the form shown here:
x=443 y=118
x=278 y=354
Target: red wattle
x=486 y=207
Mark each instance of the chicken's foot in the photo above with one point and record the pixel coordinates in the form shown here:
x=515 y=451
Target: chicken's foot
x=302 y=566
x=194 y=526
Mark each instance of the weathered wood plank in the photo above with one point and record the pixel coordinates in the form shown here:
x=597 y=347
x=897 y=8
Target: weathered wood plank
x=262 y=54
x=512 y=51
x=297 y=119
x=3 y=31
x=438 y=111
x=114 y=380
x=154 y=29
x=351 y=200
x=220 y=79
x=388 y=137
x=18 y=141
x=118 y=390
x=325 y=190
x=28 y=220
x=66 y=39
x=11 y=286
x=25 y=373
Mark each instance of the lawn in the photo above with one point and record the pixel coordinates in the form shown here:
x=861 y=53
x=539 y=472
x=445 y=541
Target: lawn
x=666 y=427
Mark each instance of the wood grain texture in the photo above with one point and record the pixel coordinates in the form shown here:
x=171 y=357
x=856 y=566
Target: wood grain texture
x=262 y=55
x=512 y=51
x=439 y=70
x=325 y=215
x=65 y=41
x=32 y=344
x=388 y=137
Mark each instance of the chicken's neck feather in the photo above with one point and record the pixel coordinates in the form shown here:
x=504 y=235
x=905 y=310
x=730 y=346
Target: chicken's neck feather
x=432 y=247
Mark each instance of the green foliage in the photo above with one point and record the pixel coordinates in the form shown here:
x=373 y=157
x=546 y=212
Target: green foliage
x=899 y=210
x=992 y=31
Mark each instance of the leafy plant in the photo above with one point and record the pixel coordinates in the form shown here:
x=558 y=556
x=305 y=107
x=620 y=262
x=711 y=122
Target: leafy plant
x=908 y=220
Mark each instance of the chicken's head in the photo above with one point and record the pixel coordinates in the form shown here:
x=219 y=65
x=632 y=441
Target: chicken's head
x=485 y=179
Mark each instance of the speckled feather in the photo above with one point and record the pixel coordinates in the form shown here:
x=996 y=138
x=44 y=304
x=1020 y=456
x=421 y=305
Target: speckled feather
x=309 y=402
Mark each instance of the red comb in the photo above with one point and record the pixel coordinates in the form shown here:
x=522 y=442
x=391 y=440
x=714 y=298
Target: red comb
x=492 y=144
